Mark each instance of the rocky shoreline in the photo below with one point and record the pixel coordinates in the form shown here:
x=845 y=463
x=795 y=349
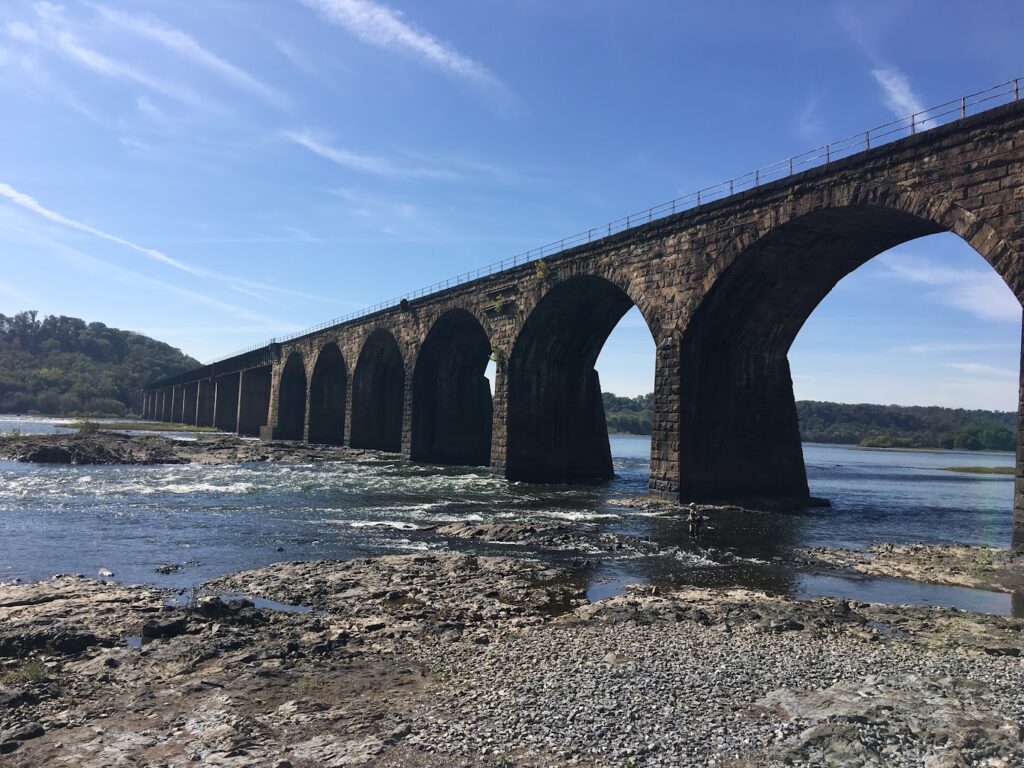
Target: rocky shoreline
x=456 y=659
x=976 y=567
x=103 y=447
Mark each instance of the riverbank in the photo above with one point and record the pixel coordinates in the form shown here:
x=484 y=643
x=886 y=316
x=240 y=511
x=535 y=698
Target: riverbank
x=990 y=568
x=101 y=447
x=453 y=659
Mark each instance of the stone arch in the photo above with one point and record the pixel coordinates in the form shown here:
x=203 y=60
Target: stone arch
x=451 y=398
x=556 y=425
x=739 y=433
x=328 y=387
x=291 y=399
x=378 y=394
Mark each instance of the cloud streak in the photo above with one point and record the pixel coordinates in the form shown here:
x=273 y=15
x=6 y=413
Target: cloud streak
x=983 y=369
x=249 y=287
x=186 y=47
x=898 y=95
x=378 y=25
x=119 y=70
x=377 y=166
x=979 y=293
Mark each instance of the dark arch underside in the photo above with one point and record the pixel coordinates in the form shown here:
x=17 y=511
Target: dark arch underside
x=740 y=435
x=291 y=402
x=327 y=392
x=556 y=423
x=451 y=407
x=378 y=388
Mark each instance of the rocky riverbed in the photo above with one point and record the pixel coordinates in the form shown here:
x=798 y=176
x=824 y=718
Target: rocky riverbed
x=456 y=659
x=103 y=447
x=992 y=568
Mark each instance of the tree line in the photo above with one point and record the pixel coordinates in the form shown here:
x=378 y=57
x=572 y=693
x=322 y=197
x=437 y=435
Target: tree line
x=871 y=426
x=61 y=365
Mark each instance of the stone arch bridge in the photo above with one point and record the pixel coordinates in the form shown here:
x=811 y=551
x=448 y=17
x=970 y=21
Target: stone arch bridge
x=724 y=288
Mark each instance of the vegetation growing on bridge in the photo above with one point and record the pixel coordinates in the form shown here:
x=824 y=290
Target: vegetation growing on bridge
x=63 y=365
x=871 y=426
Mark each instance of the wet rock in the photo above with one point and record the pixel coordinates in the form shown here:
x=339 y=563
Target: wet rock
x=15 y=697
x=9 y=740
x=977 y=567
x=102 y=447
x=164 y=628
x=168 y=568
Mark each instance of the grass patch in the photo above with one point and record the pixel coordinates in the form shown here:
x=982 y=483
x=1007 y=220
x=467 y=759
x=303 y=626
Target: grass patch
x=30 y=672
x=138 y=426
x=982 y=470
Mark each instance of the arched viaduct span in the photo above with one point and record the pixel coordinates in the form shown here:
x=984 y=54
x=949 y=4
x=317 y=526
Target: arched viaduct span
x=724 y=289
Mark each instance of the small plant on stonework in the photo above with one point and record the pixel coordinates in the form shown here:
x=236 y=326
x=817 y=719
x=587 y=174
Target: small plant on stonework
x=500 y=302
x=498 y=356
x=541 y=269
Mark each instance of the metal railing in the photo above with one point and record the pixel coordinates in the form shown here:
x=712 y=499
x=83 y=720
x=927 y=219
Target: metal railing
x=919 y=122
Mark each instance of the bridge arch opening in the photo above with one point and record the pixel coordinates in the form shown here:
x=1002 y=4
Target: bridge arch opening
x=378 y=394
x=557 y=428
x=291 y=400
x=327 y=393
x=739 y=430
x=451 y=396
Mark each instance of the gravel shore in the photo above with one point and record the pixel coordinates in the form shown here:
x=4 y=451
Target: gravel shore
x=460 y=660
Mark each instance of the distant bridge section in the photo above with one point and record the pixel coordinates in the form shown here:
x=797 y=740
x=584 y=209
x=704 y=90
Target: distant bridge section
x=724 y=283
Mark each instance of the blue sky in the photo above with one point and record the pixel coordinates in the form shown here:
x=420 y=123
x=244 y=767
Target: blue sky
x=217 y=173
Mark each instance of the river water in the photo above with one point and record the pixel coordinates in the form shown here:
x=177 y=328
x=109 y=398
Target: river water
x=213 y=520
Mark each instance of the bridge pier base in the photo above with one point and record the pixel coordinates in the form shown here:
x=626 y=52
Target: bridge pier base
x=205 y=406
x=190 y=400
x=739 y=431
x=225 y=404
x=253 y=401
x=1017 y=538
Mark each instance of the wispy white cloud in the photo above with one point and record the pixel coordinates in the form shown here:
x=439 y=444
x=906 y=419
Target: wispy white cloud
x=119 y=70
x=31 y=204
x=981 y=293
x=808 y=122
x=983 y=369
x=383 y=27
x=186 y=47
x=151 y=110
x=378 y=166
x=941 y=348
x=19 y=30
x=54 y=33
x=899 y=96
x=369 y=206
x=33 y=235
x=249 y=287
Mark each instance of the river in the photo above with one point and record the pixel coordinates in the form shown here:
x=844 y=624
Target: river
x=213 y=520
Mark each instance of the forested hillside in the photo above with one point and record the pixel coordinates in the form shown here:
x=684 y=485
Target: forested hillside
x=899 y=426
x=63 y=365
x=628 y=415
x=878 y=426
